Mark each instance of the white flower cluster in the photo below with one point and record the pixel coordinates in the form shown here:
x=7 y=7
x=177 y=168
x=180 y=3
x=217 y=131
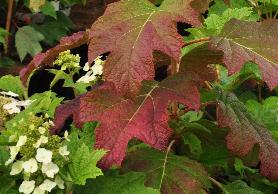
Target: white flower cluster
x=15 y=105
x=42 y=161
x=96 y=69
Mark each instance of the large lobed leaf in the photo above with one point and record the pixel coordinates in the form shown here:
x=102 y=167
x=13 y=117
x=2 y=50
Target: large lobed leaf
x=257 y=42
x=47 y=58
x=145 y=117
x=138 y=28
x=167 y=172
x=245 y=132
x=132 y=182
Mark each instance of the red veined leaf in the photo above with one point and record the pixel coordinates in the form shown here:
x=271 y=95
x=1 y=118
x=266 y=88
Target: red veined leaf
x=167 y=172
x=144 y=117
x=131 y=30
x=47 y=58
x=243 y=41
x=245 y=132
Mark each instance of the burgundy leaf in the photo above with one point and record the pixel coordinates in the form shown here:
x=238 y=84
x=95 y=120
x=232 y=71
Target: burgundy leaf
x=245 y=132
x=243 y=41
x=131 y=30
x=145 y=117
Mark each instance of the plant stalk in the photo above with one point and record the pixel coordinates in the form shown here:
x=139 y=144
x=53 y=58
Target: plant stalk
x=8 y=24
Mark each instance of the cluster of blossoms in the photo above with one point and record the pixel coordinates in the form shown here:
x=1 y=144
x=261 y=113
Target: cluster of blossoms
x=37 y=155
x=93 y=71
x=68 y=61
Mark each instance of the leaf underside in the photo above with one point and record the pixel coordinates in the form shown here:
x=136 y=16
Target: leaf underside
x=245 y=132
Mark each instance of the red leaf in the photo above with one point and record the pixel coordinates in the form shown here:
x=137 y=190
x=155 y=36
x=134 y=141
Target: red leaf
x=245 y=132
x=47 y=58
x=243 y=41
x=145 y=117
x=131 y=30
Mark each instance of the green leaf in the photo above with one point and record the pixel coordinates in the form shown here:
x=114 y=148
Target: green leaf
x=83 y=164
x=168 y=172
x=79 y=87
x=59 y=28
x=84 y=135
x=6 y=185
x=220 y=6
x=266 y=113
x=3 y=34
x=42 y=103
x=240 y=187
x=193 y=142
x=241 y=168
x=27 y=41
x=4 y=155
x=215 y=23
x=130 y=183
x=248 y=71
x=6 y=62
x=13 y=84
x=215 y=156
x=49 y=9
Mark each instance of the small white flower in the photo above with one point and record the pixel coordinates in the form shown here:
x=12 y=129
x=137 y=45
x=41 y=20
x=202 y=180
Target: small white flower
x=50 y=169
x=43 y=155
x=59 y=182
x=86 y=67
x=24 y=103
x=47 y=185
x=21 y=141
x=27 y=187
x=42 y=130
x=97 y=69
x=9 y=93
x=98 y=61
x=38 y=191
x=30 y=166
x=66 y=135
x=87 y=78
x=14 y=106
x=64 y=151
x=51 y=123
x=43 y=139
x=11 y=108
x=16 y=168
x=32 y=126
x=56 y=5
x=13 y=152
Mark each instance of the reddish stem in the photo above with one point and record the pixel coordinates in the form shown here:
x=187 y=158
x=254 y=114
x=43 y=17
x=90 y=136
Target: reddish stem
x=205 y=39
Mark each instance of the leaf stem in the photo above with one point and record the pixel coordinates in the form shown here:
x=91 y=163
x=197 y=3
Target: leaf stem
x=218 y=184
x=205 y=39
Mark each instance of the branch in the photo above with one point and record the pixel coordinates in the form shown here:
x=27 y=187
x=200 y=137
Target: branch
x=8 y=24
x=205 y=39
